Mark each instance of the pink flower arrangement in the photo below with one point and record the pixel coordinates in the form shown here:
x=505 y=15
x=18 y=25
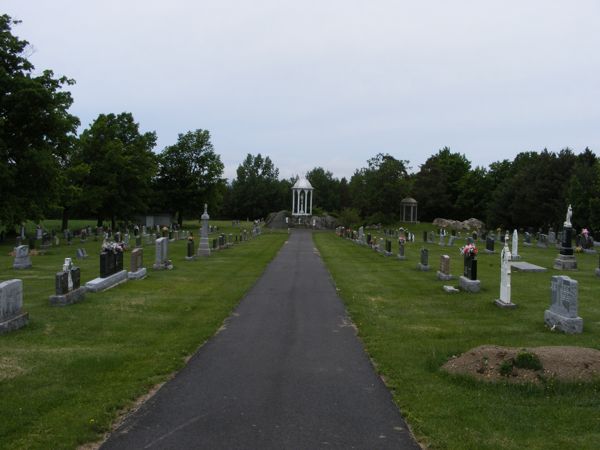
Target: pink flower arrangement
x=469 y=250
x=585 y=232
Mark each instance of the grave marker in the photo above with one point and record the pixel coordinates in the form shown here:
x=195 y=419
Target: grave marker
x=444 y=272
x=423 y=265
x=505 y=285
x=137 y=270
x=68 y=289
x=22 y=259
x=562 y=314
x=12 y=316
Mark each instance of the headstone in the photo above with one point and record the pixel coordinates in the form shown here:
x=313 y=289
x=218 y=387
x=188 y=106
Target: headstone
x=161 y=260
x=81 y=253
x=542 y=240
x=451 y=240
x=431 y=237
x=424 y=263
x=204 y=247
x=505 y=286
x=562 y=314
x=442 y=242
x=22 y=259
x=551 y=237
x=388 y=247
x=566 y=259
x=190 y=250
x=444 y=272
x=401 y=255
x=515 y=246
x=12 y=316
x=68 y=289
x=468 y=280
x=425 y=237
x=598 y=268
x=137 y=270
x=527 y=239
x=369 y=239
x=111 y=262
x=489 y=244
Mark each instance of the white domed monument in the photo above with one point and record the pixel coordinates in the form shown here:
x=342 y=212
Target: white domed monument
x=302 y=198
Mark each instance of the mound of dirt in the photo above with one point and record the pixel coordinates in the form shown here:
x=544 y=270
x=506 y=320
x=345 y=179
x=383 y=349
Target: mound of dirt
x=493 y=363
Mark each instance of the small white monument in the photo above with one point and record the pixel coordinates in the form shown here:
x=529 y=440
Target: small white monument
x=515 y=246
x=505 y=258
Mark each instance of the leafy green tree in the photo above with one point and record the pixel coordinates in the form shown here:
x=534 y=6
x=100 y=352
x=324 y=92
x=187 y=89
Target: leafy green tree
x=121 y=164
x=256 y=191
x=582 y=188
x=437 y=186
x=327 y=189
x=36 y=130
x=189 y=175
x=376 y=190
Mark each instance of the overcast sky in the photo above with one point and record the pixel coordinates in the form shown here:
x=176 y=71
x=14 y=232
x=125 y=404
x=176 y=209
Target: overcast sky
x=331 y=83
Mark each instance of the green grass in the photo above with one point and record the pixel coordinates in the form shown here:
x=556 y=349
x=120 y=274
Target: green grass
x=65 y=377
x=410 y=327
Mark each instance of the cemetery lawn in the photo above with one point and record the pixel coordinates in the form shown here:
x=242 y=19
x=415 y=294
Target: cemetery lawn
x=411 y=327
x=66 y=376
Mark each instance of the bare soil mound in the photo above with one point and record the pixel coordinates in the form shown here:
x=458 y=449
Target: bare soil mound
x=494 y=363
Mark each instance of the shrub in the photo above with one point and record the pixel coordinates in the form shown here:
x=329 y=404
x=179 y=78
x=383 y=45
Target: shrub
x=526 y=360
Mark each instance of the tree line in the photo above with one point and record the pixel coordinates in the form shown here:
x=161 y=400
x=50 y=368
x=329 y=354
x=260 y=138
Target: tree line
x=110 y=171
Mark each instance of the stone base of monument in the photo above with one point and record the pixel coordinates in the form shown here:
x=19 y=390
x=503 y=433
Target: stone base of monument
x=190 y=258
x=14 y=323
x=515 y=257
x=489 y=252
x=527 y=244
x=444 y=277
x=570 y=325
x=565 y=262
x=137 y=275
x=386 y=253
x=598 y=271
x=75 y=296
x=469 y=285
x=22 y=262
x=401 y=257
x=589 y=251
x=423 y=267
x=203 y=249
x=499 y=303
x=102 y=284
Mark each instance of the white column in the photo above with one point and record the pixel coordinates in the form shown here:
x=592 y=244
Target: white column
x=311 y=196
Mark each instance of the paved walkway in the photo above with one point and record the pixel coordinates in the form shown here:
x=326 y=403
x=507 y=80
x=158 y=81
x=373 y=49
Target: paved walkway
x=287 y=372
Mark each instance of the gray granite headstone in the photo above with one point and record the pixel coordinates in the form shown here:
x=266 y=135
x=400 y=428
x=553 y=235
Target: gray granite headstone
x=22 y=259
x=162 y=253
x=424 y=263
x=562 y=314
x=12 y=316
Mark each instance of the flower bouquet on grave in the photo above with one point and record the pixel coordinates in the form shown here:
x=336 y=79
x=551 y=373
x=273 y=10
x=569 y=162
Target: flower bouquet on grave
x=469 y=250
x=113 y=247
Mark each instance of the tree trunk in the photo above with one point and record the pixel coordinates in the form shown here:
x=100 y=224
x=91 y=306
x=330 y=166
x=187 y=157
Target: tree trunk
x=112 y=223
x=99 y=222
x=65 y=219
x=180 y=220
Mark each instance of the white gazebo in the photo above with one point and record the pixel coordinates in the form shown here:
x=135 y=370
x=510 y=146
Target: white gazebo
x=410 y=204
x=302 y=198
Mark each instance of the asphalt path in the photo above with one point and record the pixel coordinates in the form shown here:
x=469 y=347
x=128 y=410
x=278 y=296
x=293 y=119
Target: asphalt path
x=286 y=372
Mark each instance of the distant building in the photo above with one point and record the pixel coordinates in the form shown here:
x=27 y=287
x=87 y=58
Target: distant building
x=151 y=220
